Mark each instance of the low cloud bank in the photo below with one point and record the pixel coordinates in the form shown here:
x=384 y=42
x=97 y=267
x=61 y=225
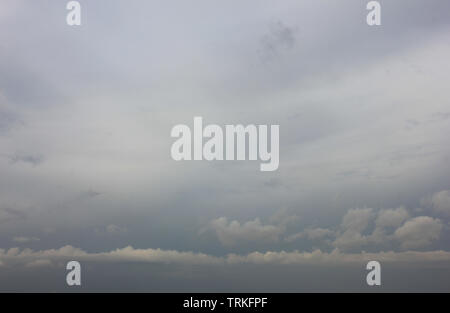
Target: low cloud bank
x=51 y=257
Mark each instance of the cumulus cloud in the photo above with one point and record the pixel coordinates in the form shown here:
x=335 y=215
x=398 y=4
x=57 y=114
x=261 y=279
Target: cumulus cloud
x=357 y=219
x=439 y=202
x=387 y=221
x=419 y=232
x=391 y=217
x=392 y=227
x=350 y=240
x=355 y=227
x=234 y=233
x=365 y=228
x=360 y=229
x=354 y=222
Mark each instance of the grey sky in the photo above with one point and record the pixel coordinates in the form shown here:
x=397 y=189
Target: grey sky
x=86 y=114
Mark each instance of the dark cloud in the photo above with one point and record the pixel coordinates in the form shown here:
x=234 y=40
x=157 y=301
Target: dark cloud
x=278 y=40
x=9 y=214
x=32 y=159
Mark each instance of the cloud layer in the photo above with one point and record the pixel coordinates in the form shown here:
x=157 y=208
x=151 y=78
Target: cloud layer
x=30 y=258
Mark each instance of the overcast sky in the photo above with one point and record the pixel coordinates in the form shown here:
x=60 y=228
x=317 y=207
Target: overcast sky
x=86 y=171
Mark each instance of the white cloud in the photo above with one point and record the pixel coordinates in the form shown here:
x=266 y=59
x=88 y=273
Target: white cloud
x=234 y=233
x=419 y=232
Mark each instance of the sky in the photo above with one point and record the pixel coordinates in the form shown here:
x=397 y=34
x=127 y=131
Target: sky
x=86 y=172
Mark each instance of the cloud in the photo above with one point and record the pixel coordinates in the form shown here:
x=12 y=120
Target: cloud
x=393 y=227
x=350 y=240
x=32 y=159
x=114 y=229
x=356 y=219
x=233 y=233
x=342 y=98
x=354 y=222
x=22 y=239
x=30 y=258
x=365 y=228
x=8 y=116
x=317 y=257
x=391 y=217
x=111 y=229
x=387 y=221
x=360 y=228
x=39 y=263
x=284 y=217
x=8 y=214
x=280 y=38
x=419 y=232
x=311 y=234
x=89 y=194
x=439 y=202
